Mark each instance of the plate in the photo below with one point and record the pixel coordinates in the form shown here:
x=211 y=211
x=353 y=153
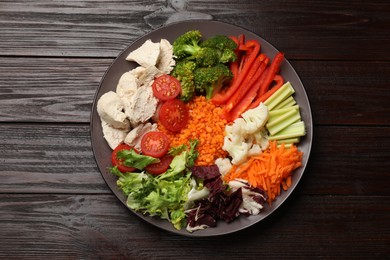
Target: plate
x=208 y=28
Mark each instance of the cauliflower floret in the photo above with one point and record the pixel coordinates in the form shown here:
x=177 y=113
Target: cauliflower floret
x=245 y=137
x=237 y=128
x=238 y=152
x=224 y=165
x=255 y=118
x=255 y=150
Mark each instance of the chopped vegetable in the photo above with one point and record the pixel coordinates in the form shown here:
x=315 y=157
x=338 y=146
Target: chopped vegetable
x=284 y=117
x=154 y=143
x=204 y=124
x=164 y=195
x=257 y=69
x=271 y=73
x=242 y=99
x=253 y=198
x=184 y=72
x=220 y=203
x=210 y=80
x=207 y=53
x=173 y=115
x=280 y=95
x=166 y=87
x=130 y=158
x=187 y=44
x=224 y=46
x=253 y=47
x=116 y=161
x=156 y=197
x=202 y=66
x=240 y=135
x=159 y=167
x=270 y=170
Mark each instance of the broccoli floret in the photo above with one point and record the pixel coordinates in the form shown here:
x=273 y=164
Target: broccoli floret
x=220 y=42
x=187 y=44
x=224 y=45
x=184 y=73
x=218 y=49
x=211 y=80
x=207 y=57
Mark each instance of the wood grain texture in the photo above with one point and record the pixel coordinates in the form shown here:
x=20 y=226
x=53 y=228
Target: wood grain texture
x=59 y=159
x=97 y=226
x=63 y=89
x=49 y=90
x=48 y=159
x=335 y=30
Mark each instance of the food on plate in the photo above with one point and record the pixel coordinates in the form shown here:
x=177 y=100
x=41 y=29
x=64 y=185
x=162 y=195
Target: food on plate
x=202 y=64
x=202 y=129
x=155 y=144
x=173 y=115
x=166 y=87
x=206 y=125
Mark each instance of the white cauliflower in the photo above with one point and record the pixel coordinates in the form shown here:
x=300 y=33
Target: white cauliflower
x=224 y=165
x=255 y=118
x=246 y=137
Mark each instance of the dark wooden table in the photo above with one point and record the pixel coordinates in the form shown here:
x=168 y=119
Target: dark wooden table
x=54 y=202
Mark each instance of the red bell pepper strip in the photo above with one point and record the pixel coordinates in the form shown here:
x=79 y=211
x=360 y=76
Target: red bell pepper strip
x=245 y=103
x=273 y=70
x=253 y=75
x=279 y=82
x=241 y=42
x=221 y=98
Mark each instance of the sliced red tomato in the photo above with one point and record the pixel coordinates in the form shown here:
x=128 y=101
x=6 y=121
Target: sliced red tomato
x=155 y=144
x=173 y=115
x=160 y=167
x=119 y=162
x=166 y=87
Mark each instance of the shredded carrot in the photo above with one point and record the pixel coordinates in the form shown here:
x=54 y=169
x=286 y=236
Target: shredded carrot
x=270 y=170
x=204 y=124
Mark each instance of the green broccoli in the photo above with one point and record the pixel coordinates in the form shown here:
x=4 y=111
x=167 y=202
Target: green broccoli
x=210 y=80
x=184 y=73
x=224 y=45
x=220 y=42
x=218 y=49
x=187 y=44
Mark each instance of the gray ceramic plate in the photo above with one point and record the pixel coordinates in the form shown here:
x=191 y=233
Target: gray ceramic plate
x=208 y=28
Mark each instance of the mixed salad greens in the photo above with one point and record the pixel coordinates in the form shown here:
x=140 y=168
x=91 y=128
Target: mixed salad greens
x=258 y=107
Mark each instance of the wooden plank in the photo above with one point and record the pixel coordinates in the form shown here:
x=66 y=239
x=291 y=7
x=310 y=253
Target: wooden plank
x=98 y=226
x=39 y=158
x=47 y=159
x=49 y=90
x=62 y=90
x=347 y=160
x=303 y=29
x=347 y=93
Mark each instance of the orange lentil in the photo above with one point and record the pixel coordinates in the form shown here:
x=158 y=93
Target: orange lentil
x=204 y=124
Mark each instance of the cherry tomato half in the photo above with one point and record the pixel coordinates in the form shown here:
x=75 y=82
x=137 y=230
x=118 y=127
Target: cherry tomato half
x=119 y=162
x=166 y=87
x=173 y=115
x=160 y=167
x=155 y=144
